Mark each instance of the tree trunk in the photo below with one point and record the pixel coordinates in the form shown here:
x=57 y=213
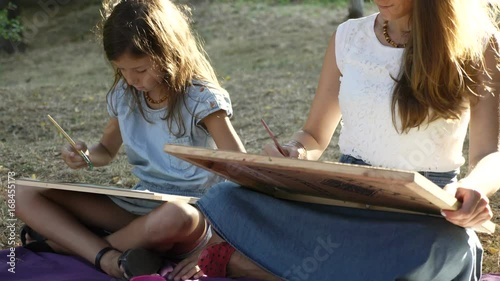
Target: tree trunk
x=355 y=9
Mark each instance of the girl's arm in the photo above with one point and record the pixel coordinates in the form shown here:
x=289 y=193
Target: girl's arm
x=324 y=114
x=483 y=178
x=109 y=145
x=101 y=153
x=220 y=128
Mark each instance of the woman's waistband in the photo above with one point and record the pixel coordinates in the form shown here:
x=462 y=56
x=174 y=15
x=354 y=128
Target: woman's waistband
x=439 y=178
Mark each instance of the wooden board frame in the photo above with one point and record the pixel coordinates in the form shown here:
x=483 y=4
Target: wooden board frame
x=107 y=190
x=326 y=182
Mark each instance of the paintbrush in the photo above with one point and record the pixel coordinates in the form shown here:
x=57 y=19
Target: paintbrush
x=72 y=142
x=273 y=137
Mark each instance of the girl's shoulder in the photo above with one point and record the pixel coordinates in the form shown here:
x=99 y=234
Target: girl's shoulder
x=117 y=94
x=203 y=90
x=119 y=89
x=117 y=99
x=203 y=98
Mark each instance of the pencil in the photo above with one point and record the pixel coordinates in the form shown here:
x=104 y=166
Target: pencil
x=71 y=142
x=273 y=137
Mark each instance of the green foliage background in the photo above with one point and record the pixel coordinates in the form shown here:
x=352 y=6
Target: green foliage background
x=10 y=29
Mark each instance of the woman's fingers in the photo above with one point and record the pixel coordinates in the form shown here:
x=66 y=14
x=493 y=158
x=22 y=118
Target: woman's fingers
x=271 y=150
x=475 y=208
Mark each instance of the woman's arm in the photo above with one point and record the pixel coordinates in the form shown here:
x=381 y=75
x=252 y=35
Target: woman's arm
x=324 y=114
x=483 y=178
x=220 y=128
x=101 y=153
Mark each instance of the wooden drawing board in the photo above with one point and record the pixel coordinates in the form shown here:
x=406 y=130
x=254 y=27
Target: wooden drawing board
x=326 y=182
x=107 y=190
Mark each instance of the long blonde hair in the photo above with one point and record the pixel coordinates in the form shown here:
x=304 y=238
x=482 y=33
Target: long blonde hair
x=442 y=59
x=161 y=30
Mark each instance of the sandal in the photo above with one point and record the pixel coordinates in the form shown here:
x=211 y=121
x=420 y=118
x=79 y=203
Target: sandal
x=100 y=254
x=136 y=262
x=214 y=259
x=38 y=245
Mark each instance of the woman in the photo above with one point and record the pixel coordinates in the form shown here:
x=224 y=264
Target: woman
x=407 y=82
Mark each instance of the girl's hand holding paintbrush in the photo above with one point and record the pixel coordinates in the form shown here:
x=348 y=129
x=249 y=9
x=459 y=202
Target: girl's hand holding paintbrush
x=73 y=153
x=72 y=157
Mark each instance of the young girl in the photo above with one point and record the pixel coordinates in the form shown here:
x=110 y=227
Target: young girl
x=407 y=82
x=165 y=91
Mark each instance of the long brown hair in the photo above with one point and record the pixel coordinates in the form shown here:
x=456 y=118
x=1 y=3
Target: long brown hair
x=161 y=30
x=441 y=61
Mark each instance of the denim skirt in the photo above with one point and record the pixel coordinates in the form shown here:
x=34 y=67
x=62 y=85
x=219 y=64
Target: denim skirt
x=304 y=241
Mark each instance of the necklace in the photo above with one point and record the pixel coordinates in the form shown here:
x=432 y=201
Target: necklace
x=148 y=98
x=388 y=38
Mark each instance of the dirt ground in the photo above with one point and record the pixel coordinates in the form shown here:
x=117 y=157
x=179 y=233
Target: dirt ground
x=267 y=56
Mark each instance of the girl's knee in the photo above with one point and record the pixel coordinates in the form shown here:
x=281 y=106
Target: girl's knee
x=23 y=192
x=169 y=221
x=23 y=196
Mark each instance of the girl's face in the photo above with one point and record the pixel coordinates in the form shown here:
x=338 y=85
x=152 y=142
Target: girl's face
x=139 y=72
x=394 y=9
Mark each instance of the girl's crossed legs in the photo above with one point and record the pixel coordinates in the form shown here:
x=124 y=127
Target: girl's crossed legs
x=63 y=216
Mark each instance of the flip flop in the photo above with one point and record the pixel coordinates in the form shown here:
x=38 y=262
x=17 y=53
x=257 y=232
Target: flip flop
x=137 y=262
x=38 y=244
x=25 y=229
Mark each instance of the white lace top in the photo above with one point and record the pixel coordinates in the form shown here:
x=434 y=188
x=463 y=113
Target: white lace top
x=366 y=89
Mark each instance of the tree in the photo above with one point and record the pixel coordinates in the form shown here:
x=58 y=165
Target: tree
x=355 y=9
x=11 y=30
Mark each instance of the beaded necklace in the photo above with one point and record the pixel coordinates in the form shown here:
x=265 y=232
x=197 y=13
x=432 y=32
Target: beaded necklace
x=388 y=38
x=148 y=98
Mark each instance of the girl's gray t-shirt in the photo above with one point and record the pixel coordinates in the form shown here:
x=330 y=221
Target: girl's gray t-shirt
x=144 y=141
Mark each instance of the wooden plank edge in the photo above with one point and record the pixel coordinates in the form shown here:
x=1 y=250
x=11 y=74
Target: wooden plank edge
x=341 y=203
x=487 y=227
x=352 y=170
x=444 y=200
x=108 y=191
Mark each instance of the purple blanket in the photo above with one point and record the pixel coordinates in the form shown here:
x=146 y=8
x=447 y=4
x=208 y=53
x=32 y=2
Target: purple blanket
x=25 y=265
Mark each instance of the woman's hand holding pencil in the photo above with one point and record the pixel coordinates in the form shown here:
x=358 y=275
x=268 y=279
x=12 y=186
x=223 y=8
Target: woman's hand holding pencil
x=275 y=140
x=292 y=149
